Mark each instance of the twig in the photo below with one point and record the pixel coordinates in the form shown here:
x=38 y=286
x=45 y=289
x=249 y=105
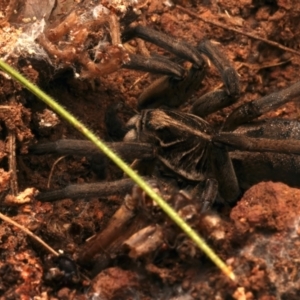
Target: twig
x=36 y=238
x=12 y=162
x=255 y=67
x=52 y=170
x=28 y=232
x=141 y=43
x=138 y=80
x=121 y=219
x=11 y=141
x=277 y=45
x=265 y=66
x=8 y=12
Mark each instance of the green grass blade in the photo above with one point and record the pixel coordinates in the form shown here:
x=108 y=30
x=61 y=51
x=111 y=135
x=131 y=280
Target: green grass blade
x=121 y=164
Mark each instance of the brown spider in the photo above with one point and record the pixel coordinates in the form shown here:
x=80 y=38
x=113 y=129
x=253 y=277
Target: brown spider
x=219 y=163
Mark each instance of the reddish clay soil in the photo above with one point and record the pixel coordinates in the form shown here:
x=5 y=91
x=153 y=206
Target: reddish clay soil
x=258 y=238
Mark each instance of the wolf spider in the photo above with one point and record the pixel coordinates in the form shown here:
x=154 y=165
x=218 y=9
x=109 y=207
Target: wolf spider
x=219 y=163
x=184 y=142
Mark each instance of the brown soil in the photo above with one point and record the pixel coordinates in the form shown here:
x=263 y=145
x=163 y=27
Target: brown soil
x=258 y=238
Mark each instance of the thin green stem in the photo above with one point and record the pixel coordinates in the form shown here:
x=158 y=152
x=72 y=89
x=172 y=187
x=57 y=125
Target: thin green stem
x=121 y=164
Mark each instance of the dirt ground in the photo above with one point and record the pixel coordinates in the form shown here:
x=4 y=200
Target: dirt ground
x=258 y=238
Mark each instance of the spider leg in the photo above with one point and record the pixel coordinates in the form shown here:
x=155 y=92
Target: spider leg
x=254 y=109
x=254 y=167
x=206 y=196
x=177 y=89
x=228 y=73
x=280 y=136
x=209 y=194
x=211 y=102
x=175 y=46
x=242 y=142
x=218 y=99
x=129 y=151
x=157 y=65
x=76 y=147
x=88 y=190
x=169 y=90
x=224 y=173
x=277 y=129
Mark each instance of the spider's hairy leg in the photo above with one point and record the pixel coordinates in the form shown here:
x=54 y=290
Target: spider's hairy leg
x=156 y=65
x=242 y=142
x=277 y=129
x=159 y=64
x=88 y=190
x=228 y=73
x=218 y=99
x=209 y=194
x=203 y=197
x=224 y=173
x=211 y=102
x=254 y=109
x=254 y=167
x=173 y=45
x=170 y=90
x=129 y=151
x=276 y=136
